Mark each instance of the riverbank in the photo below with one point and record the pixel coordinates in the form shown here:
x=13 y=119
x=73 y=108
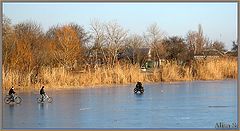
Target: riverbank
x=217 y=69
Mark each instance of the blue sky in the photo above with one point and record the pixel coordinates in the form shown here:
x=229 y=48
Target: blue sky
x=219 y=20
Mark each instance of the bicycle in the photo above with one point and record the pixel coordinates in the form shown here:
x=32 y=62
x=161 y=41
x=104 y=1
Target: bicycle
x=46 y=97
x=136 y=90
x=8 y=99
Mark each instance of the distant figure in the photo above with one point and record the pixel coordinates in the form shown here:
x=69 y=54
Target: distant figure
x=139 y=85
x=11 y=93
x=42 y=93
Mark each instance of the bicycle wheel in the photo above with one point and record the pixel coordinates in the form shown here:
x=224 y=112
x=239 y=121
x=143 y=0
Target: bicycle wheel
x=135 y=90
x=39 y=100
x=18 y=100
x=7 y=100
x=50 y=99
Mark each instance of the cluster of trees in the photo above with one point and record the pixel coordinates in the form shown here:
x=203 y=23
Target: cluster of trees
x=182 y=48
x=27 y=48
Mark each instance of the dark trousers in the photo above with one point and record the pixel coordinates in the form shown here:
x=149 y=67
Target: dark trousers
x=43 y=96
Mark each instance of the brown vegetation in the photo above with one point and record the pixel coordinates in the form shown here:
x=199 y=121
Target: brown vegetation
x=67 y=55
x=124 y=74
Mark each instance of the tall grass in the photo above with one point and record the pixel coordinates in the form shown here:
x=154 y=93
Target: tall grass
x=122 y=74
x=217 y=69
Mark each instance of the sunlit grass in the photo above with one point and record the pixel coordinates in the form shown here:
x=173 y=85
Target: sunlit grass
x=123 y=74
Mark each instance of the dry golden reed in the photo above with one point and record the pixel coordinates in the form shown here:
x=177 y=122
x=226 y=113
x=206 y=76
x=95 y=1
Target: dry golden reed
x=216 y=69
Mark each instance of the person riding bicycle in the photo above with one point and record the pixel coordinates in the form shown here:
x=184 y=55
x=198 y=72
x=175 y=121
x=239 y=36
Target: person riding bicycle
x=42 y=93
x=11 y=93
x=139 y=85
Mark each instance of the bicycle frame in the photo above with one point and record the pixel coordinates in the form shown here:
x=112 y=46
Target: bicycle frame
x=45 y=97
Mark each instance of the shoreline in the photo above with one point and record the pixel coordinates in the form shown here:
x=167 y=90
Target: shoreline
x=61 y=88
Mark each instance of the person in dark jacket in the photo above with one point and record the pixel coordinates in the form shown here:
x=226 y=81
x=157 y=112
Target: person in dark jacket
x=139 y=85
x=42 y=93
x=11 y=93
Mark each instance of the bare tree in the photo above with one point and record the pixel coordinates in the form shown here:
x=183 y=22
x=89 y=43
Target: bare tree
x=154 y=37
x=67 y=44
x=132 y=48
x=196 y=41
x=99 y=40
x=218 y=45
x=191 y=41
x=200 y=42
x=8 y=43
x=176 y=49
x=28 y=38
x=115 y=37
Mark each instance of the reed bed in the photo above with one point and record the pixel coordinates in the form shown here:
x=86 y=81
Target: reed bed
x=216 y=69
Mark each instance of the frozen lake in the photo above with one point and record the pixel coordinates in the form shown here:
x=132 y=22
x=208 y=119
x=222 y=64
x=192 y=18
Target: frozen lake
x=197 y=104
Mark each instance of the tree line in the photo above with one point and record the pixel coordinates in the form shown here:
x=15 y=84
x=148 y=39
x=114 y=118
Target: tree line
x=27 y=48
